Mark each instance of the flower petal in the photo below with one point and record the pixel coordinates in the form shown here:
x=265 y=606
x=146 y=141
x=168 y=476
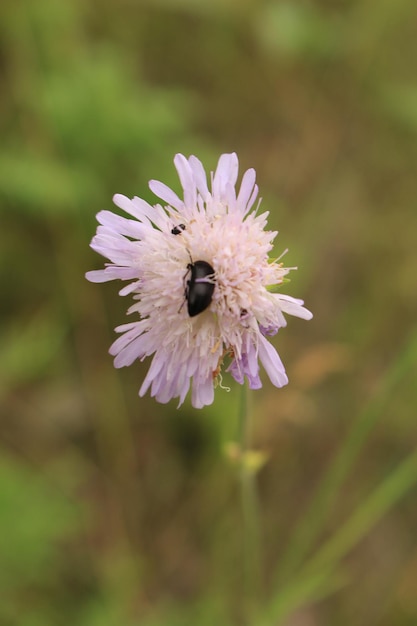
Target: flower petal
x=248 y=192
x=186 y=177
x=226 y=174
x=272 y=363
x=199 y=177
x=166 y=194
x=293 y=306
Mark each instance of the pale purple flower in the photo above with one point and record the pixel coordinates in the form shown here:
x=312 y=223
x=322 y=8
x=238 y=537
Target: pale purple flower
x=153 y=248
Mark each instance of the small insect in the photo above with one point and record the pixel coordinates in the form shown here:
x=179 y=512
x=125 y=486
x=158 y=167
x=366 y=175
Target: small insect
x=177 y=230
x=199 y=287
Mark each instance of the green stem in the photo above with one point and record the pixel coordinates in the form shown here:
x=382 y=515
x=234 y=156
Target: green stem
x=250 y=512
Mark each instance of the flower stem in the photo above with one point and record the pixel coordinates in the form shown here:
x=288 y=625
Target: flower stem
x=250 y=512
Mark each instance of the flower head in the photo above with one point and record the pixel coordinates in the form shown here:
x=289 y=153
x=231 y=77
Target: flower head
x=201 y=280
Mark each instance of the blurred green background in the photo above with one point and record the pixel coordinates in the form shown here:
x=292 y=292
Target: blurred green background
x=117 y=511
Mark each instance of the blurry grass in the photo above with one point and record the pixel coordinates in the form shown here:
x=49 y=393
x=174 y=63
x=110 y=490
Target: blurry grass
x=319 y=576
x=36 y=522
x=41 y=338
x=313 y=520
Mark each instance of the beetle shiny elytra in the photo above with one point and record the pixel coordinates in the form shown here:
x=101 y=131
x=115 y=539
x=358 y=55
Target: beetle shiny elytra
x=199 y=287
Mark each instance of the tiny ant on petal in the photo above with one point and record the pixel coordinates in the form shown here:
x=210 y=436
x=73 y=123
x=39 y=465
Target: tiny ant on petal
x=177 y=230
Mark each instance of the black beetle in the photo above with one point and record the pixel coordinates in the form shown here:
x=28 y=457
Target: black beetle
x=178 y=229
x=199 y=290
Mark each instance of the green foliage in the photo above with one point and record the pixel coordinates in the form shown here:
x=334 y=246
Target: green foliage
x=35 y=521
x=78 y=109
x=400 y=101
x=295 y=30
x=40 y=337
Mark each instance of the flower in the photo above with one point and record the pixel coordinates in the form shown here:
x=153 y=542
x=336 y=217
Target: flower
x=210 y=248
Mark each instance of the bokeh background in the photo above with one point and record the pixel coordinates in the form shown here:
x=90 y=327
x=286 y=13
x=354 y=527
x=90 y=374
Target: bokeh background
x=117 y=511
